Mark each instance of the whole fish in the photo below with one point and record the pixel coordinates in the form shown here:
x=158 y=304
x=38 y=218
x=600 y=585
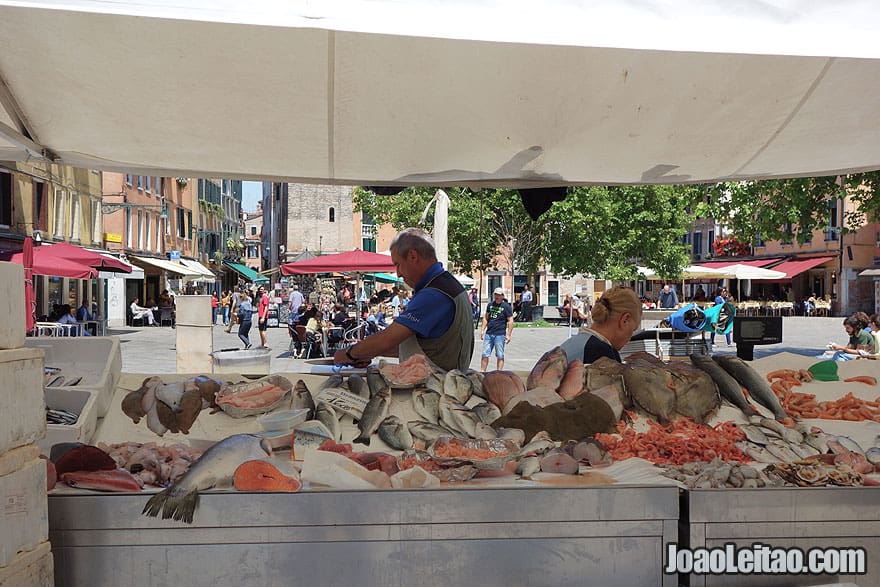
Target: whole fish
x=873 y=455
x=782 y=452
x=787 y=434
x=457 y=385
x=757 y=387
x=375 y=411
x=436 y=381
x=217 y=465
x=536 y=447
x=326 y=415
x=395 y=434
x=476 y=379
x=803 y=450
x=729 y=388
x=528 y=466
x=756 y=452
x=426 y=404
x=549 y=370
x=334 y=380
x=485 y=432
x=755 y=434
x=818 y=440
x=301 y=399
x=426 y=431
x=486 y=412
x=466 y=421
x=377 y=382
x=358 y=385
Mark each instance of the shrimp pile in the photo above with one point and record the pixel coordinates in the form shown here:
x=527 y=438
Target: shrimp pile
x=804 y=405
x=152 y=464
x=683 y=441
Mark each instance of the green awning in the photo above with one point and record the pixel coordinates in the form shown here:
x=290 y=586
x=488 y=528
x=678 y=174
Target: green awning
x=386 y=278
x=246 y=272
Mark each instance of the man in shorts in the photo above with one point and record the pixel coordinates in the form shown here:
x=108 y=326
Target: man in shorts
x=496 y=329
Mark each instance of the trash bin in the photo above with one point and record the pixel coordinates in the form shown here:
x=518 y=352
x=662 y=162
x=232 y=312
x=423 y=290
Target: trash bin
x=537 y=313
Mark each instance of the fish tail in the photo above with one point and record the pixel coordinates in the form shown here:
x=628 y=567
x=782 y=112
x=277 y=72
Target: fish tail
x=177 y=507
x=362 y=440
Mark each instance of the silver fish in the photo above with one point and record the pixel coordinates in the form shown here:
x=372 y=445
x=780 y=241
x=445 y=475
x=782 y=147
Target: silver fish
x=358 y=385
x=873 y=455
x=447 y=414
x=782 y=452
x=457 y=385
x=803 y=450
x=755 y=434
x=528 y=467
x=787 y=434
x=301 y=399
x=374 y=413
x=395 y=434
x=476 y=379
x=515 y=435
x=818 y=440
x=376 y=381
x=466 y=420
x=729 y=387
x=217 y=465
x=757 y=386
x=756 y=452
x=334 y=380
x=326 y=415
x=436 y=382
x=426 y=431
x=427 y=405
x=849 y=444
x=487 y=412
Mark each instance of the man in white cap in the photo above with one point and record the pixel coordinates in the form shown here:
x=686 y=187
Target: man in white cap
x=496 y=329
x=437 y=322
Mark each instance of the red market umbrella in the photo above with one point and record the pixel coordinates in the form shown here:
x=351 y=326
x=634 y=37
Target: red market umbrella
x=30 y=299
x=86 y=257
x=352 y=261
x=44 y=264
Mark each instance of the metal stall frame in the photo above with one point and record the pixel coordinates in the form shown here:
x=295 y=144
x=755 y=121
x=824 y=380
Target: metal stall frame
x=609 y=535
x=804 y=517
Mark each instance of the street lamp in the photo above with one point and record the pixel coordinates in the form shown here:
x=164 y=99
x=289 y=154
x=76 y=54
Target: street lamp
x=111 y=207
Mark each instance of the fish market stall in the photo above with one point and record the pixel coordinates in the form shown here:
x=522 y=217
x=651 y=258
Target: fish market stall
x=547 y=536
x=408 y=463
x=548 y=529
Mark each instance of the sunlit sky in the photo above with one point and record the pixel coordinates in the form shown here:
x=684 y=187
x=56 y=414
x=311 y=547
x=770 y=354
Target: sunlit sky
x=252 y=192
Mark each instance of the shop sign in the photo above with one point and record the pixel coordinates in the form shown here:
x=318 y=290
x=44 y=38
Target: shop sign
x=112 y=237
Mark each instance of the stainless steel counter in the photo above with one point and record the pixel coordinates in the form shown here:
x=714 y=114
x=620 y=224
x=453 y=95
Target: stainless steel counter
x=798 y=517
x=610 y=535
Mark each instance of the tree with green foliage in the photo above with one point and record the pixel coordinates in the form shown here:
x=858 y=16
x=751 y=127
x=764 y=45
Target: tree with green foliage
x=789 y=209
x=602 y=231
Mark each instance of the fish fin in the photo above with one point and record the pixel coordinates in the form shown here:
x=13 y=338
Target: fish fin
x=362 y=440
x=180 y=508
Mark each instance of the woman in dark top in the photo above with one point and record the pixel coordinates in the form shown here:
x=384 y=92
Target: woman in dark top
x=616 y=316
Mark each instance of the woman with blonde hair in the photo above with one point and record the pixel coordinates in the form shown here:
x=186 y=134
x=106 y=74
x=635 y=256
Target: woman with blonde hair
x=616 y=316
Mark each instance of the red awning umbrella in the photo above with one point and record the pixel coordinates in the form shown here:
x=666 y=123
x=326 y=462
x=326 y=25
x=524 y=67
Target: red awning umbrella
x=356 y=261
x=30 y=299
x=86 y=257
x=44 y=264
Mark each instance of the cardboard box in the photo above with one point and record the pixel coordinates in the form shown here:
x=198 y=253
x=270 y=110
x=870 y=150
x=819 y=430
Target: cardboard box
x=12 y=327
x=24 y=512
x=79 y=401
x=33 y=568
x=97 y=360
x=22 y=411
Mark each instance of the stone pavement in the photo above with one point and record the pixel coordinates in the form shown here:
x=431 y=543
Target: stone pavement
x=152 y=349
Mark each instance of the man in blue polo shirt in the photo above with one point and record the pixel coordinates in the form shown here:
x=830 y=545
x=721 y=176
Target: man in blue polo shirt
x=437 y=322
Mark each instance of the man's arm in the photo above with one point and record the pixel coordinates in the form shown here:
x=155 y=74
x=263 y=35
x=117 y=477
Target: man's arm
x=484 y=323
x=382 y=343
x=509 y=328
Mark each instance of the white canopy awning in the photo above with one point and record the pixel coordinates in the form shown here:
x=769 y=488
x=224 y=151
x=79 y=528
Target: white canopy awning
x=204 y=273
x=488 y=92
x=170 y=266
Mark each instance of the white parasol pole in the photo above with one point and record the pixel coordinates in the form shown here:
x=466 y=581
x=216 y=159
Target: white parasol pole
x=441 y=227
